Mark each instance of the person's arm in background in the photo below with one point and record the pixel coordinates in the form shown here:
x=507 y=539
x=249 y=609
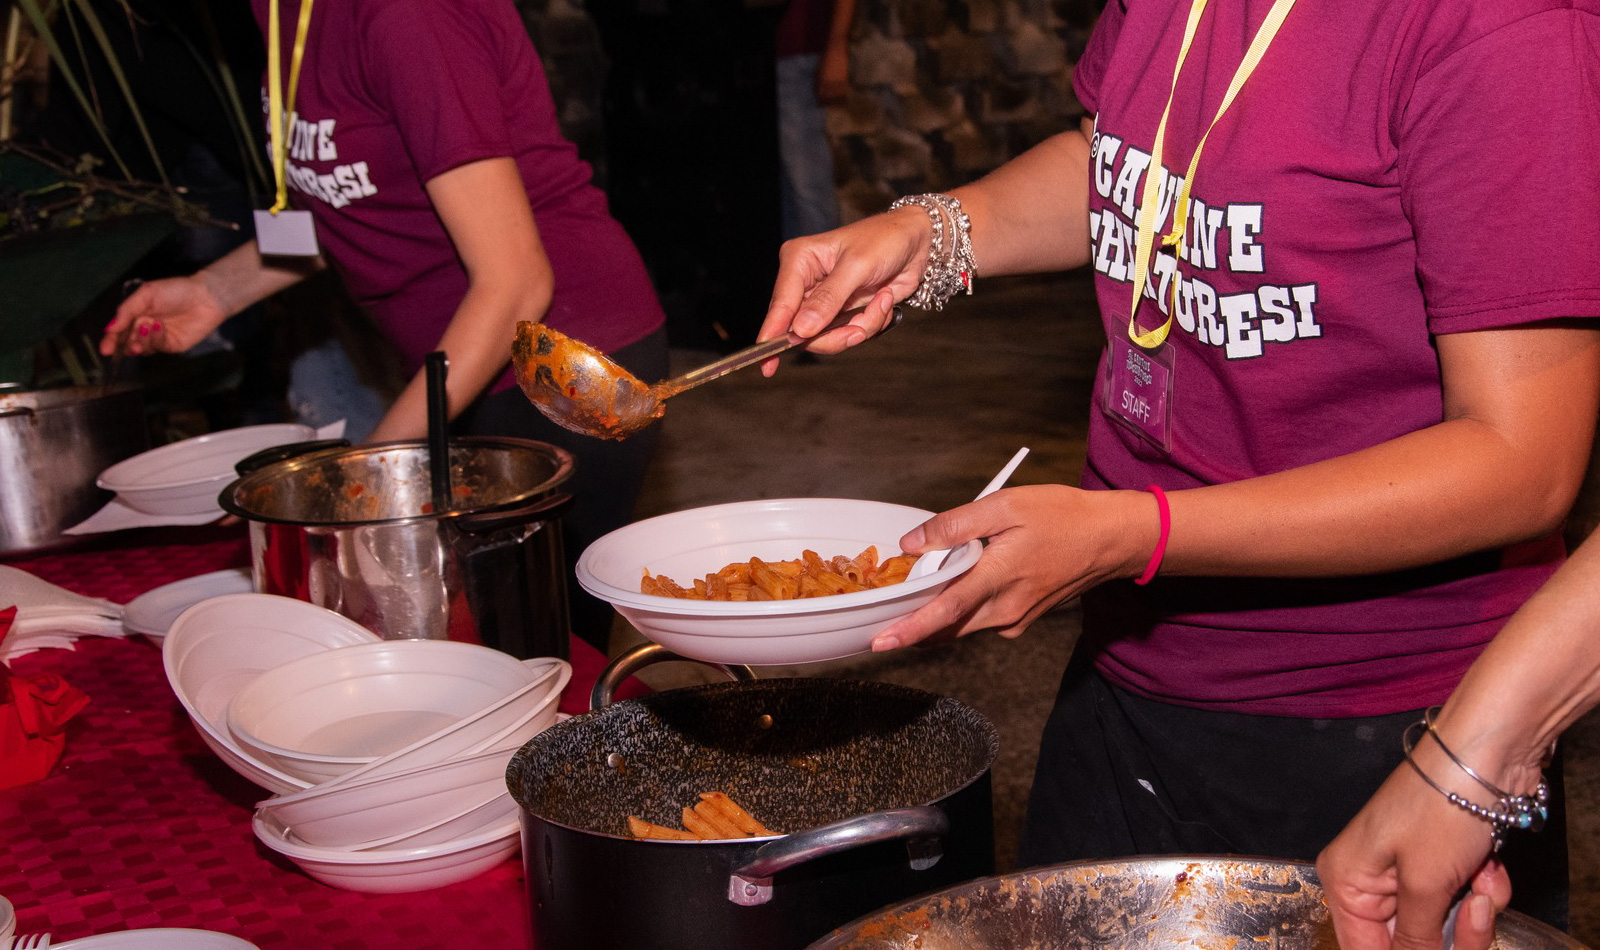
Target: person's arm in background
x=484 y=208
x=174 y=314
x=833 y=68
x=1410 y=850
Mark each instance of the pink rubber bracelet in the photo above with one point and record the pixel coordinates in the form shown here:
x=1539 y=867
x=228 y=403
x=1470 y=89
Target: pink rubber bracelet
x=1161 y=544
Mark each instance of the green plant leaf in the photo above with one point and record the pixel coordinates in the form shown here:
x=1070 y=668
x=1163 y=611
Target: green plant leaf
x=98 y=30
x=41 y=27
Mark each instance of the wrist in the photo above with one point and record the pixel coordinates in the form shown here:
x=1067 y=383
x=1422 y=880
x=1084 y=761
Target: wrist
x=1503 y=809
x=949 y=267
x=1507 y=755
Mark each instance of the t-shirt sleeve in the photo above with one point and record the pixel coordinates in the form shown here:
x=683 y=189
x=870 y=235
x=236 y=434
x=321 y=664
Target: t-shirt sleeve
x=1091 y=67
x=1496 y=145
x=434 y=70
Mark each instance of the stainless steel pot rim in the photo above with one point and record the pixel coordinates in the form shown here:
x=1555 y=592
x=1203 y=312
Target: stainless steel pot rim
x=288 y=467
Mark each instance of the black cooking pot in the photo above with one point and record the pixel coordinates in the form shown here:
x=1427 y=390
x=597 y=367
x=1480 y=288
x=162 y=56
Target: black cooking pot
x=883 y=791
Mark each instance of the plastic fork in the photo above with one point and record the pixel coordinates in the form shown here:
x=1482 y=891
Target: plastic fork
x=31 y=942
x=933 y=560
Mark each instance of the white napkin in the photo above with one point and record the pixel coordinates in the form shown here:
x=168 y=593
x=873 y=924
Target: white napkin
x=118 y=515
x=51 y=616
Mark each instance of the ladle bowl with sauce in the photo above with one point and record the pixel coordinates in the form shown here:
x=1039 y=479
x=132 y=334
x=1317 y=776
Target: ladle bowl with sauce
x=581 y=389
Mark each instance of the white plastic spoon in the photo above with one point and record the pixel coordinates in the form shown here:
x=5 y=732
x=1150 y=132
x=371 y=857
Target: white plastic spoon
x=931 y=561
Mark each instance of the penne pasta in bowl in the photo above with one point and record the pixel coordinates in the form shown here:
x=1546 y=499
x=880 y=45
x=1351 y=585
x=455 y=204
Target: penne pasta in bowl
x=774 y=581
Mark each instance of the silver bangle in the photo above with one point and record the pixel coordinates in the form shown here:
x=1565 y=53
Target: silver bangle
x=950 y=269
x=1509 y=812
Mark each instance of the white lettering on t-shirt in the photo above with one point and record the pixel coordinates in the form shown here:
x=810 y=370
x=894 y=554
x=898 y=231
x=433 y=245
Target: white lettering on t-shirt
x=1126 y=191
x=1201 y=247
x=1243 y=323
x=326 y=152
x=1105 y=153
x=1244 y=254
x=314 y=140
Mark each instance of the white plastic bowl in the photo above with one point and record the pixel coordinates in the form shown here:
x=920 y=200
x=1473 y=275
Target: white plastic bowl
x=158 y=938
x=380 y=810
x=335 y=813
x=184 y=478
x=321 y=716
x=396 y=870
x=689 y=544
x=219 y=645
x=507 y=724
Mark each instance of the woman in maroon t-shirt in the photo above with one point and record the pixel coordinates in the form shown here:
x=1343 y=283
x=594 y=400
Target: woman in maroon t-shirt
x=424 y=143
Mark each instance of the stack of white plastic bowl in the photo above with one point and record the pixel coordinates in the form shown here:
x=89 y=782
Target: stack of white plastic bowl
x=184 y=478
x=388 y=757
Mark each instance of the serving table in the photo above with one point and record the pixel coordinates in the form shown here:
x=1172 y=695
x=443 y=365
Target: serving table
x=140 y=825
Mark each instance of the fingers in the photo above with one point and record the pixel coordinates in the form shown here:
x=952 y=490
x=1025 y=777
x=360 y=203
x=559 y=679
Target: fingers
x=1493 y=882
x=133 y=329
x=1475 y=923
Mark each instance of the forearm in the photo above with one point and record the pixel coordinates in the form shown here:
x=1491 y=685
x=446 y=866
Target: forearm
x=1032 y=214
x=478 y=345
x=1500 y=468
x=485 y=210
x=1534 y=680
x=243 y=277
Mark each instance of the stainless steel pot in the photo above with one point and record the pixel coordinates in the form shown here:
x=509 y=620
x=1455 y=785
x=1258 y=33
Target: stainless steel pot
x=883 y=792
x=354 y=530
x=1140 y=904
x=54 y=443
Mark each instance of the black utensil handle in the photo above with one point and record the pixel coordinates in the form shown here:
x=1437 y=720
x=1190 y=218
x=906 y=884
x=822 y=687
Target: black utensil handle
x=437 y=367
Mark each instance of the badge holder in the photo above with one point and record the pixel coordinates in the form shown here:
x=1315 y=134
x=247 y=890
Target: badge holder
x=287 y=233
x=1138 y=390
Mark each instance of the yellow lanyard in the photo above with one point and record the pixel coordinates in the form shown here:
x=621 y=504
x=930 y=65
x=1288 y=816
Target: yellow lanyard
x=1144 y=235
x=277 y=107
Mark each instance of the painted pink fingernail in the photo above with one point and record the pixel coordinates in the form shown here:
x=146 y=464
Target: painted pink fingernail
x=144 y=329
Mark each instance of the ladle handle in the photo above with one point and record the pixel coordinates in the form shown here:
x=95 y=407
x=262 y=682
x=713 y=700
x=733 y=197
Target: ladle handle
x=716 y=369
x=751 y=355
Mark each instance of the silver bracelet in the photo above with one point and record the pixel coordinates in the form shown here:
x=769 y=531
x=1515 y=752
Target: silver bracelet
x=1509 y=813
x=950 y=270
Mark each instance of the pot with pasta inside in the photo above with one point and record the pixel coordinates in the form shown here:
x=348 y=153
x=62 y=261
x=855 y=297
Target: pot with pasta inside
x=868 y=792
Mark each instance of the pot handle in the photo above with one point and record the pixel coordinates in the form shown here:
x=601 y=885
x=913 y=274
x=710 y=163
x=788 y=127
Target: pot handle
x=921 y=826
x=648 y=654
x=547 y=508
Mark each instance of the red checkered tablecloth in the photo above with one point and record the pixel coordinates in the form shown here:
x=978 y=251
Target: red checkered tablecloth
x=139 y=825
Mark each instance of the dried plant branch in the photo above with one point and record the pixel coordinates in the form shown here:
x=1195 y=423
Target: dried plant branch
x=159 y=197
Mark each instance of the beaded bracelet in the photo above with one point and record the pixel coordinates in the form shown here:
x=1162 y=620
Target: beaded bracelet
x=1510 y=812
x=949 y=270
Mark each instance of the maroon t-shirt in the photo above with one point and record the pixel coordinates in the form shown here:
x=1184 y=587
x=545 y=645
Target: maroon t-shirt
x=1392 y=171
x=395 y=92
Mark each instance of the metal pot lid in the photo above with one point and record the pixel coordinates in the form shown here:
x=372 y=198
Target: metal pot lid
x=389 y=483
x=796 y=753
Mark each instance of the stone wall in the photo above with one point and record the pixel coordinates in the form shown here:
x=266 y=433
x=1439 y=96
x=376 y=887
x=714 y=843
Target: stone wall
x=943 y=90
x=946 y=90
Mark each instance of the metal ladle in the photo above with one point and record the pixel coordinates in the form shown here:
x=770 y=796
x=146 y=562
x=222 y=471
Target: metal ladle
x=580 y=389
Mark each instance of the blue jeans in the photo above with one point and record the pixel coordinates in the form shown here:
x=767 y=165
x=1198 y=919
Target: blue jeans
x=809 y=203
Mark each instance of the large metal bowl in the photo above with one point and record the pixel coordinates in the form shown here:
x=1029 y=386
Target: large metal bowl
x=1196 y=903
